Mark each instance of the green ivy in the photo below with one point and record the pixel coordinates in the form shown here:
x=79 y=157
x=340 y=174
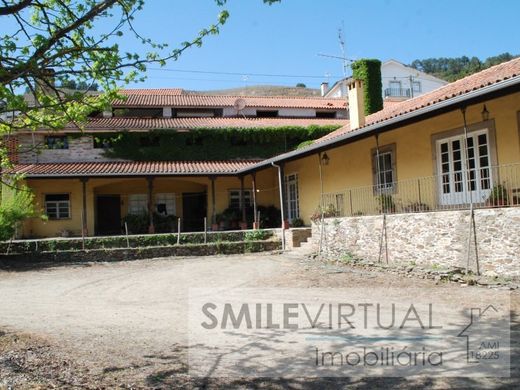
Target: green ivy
x=369 y=72
x=210 y=144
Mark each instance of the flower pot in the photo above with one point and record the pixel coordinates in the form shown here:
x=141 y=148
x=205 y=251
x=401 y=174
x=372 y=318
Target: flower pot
x=286 y=224
x=243 y=225
x=214 y=227
x=256 y=225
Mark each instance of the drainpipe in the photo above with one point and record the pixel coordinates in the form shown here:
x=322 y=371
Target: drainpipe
x=280 y=184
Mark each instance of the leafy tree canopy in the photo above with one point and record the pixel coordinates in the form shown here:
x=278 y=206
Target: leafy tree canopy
x=451 y=69
x=61 y=42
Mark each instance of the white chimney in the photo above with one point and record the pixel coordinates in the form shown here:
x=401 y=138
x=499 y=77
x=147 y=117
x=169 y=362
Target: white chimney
x=356 y=104
x=324 y=88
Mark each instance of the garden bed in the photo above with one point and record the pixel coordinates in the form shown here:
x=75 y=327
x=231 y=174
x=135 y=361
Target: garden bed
x=54 y=245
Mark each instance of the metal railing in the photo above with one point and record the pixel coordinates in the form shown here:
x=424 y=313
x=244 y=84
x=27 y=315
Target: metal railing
x=397 y=92
x=497 y=186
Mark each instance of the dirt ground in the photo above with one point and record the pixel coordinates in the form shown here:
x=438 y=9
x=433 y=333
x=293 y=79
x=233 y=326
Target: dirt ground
x=122 y=325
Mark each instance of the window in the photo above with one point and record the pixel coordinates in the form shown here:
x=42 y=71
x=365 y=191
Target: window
x=293 y=200
x=456 y=184
x=165 y=204
x=57 y=142
x=266 y=114
x=416 y=86
x=383 y=167
x=198 y=112
x=102 y=142
x=194 y=141
x=395 y=85
x=138 y=112
x=137 y=204
x=325 y=114
x=57 y=206
x=149 y=141
x=234 y=199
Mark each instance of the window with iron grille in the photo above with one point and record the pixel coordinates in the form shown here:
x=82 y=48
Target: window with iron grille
x=57 y=206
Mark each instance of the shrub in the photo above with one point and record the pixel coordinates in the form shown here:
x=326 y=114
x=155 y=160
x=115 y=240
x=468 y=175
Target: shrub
x=328 y=211
x=256 y=235
x=297 y=222
x=136 y=223
x=14 y=210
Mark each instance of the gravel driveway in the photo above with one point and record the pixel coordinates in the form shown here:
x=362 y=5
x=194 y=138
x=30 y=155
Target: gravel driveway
x=124 y=324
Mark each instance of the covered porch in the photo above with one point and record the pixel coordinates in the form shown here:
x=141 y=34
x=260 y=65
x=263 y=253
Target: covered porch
x=111 y=198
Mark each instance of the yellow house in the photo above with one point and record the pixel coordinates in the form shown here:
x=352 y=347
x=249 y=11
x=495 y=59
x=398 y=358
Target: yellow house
x=411 y=156
x=452 y=148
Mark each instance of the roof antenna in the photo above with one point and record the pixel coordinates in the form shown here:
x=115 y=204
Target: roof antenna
x=341 y=39
x=346 y=61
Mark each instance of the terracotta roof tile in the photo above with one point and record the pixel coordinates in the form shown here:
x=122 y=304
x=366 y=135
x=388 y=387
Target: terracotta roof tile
x=104 y=124
x=176 y=98
x=131 y=168
x=470 y=83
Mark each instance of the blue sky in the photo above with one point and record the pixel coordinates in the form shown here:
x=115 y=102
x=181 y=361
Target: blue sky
x=286 y=38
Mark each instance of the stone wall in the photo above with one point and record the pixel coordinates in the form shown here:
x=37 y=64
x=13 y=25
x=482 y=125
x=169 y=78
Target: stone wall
x=429 y=238
x=33 y=150
x=125 y=254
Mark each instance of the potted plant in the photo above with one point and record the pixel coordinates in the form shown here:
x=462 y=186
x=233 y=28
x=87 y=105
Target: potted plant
x=243 y=225
x=498 y=196
x=297 y=222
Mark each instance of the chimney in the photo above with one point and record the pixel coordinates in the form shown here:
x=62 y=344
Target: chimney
x=356 y=104
x=324 y=88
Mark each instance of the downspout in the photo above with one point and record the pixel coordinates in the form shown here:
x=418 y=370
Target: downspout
x=280 y=184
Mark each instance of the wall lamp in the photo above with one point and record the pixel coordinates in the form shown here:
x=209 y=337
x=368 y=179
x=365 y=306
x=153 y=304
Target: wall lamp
x=485 y=114
x=325 y=159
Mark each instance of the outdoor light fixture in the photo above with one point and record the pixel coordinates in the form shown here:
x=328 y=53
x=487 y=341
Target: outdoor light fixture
x=325 y=159
x=485 y=113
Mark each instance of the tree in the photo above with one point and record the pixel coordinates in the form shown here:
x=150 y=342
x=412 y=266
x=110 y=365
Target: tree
x=452 y=69
x=54 y=42
x=301 y=85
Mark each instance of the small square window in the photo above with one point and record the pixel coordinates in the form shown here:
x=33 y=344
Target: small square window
x=57 y=206
x=57 y=142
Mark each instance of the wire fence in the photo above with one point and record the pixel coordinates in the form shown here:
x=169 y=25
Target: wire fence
x=497 y=186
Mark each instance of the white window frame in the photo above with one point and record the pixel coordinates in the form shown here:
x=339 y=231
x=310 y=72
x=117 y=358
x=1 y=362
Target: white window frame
x=234 y=194
x=378 y=170
x=57 y=205
x=451 y=182
x=169 y=200
x=137 y=204
x=293 y=197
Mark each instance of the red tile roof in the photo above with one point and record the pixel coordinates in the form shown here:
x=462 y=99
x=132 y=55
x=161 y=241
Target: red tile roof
x=474 y=82
x=104 y=124
x=131 y=168
x=176 y=98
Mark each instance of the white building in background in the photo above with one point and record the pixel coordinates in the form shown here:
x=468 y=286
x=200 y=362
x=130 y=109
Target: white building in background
x=400 y=82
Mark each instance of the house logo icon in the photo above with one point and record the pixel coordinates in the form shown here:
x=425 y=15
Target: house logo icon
x=483 y=336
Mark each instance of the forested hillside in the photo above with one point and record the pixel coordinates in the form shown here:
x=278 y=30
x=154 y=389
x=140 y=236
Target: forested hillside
x=451 y=69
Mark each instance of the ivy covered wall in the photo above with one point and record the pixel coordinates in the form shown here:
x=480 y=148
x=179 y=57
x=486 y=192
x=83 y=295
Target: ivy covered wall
x=208 y=144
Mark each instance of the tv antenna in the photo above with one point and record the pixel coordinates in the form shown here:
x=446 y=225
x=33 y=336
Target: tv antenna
x=346 y=61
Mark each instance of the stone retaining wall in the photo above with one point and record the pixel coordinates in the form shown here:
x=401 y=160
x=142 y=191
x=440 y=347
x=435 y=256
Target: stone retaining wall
x=429 y=238
x=104 y=255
